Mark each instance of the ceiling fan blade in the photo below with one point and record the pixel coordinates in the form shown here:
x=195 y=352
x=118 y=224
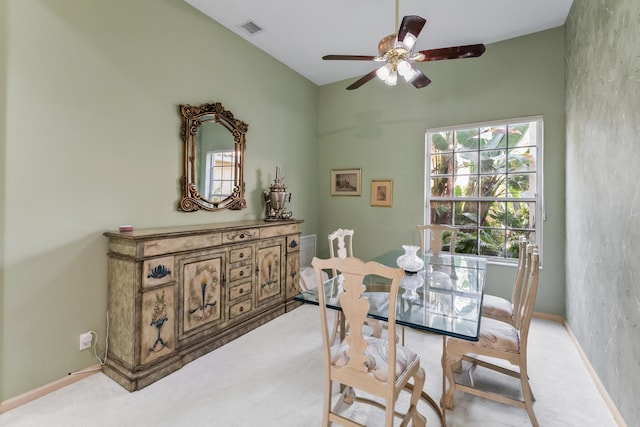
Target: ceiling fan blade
x=454 y=52
x=362 y=80
x=409 y=29
x=349 y=57
x=420 y=80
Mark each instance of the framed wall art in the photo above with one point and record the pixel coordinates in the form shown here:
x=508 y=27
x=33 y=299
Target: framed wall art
x=381 y=192
x=346 y=182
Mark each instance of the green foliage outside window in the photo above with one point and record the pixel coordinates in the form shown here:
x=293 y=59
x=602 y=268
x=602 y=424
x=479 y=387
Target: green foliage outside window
x=483 y=180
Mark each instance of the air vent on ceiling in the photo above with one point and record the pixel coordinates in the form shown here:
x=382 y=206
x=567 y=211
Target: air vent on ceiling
x=251 y=27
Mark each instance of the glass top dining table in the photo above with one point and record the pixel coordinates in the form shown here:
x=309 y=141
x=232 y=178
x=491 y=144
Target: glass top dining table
x=445 y=297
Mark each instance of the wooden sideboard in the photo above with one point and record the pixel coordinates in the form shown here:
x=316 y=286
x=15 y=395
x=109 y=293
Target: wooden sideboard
x=177 y=293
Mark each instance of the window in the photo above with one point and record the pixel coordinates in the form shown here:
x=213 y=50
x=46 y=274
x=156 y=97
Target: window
x=486 y=179
x=219 y=175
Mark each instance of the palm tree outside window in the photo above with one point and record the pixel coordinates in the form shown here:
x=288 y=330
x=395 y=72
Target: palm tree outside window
x=486 y=179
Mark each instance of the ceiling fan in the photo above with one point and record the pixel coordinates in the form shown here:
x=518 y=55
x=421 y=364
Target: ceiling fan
x=396 y=50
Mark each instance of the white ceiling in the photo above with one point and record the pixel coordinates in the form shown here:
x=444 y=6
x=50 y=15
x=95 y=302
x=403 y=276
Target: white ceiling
x=299 y=33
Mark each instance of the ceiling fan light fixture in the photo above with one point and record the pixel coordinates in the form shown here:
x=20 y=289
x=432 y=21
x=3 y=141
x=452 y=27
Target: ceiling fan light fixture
x=403 y=67
x=384 y=71
x=392 y=78
x=408 y=43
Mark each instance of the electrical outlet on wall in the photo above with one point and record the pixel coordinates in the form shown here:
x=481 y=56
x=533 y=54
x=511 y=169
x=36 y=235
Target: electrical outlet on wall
x=85 y=340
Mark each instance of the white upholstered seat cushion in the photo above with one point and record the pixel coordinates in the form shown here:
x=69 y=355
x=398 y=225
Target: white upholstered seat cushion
x=377 y=350
x=497 y=307
x=495 y=334
x=498 y=335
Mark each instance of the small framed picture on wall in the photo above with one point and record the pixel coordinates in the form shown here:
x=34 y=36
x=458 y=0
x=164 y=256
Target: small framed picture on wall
x=346 y=182
x=381 y=192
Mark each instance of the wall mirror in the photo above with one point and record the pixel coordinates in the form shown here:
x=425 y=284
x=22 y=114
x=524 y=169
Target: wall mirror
x=214 y=143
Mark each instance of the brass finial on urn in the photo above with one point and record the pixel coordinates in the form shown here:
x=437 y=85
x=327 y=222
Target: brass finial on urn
x=275 y=200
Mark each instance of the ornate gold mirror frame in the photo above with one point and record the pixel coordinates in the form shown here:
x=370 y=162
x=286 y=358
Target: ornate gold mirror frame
x=214 y=144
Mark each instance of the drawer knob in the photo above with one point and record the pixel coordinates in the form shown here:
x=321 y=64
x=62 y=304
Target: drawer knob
x=242 y=273
x=241 y=308
x=241 y=290
x=242 y=235
x=241 y=254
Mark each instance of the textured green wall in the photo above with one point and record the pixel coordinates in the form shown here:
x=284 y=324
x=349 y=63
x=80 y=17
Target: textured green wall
x=381 y=130
x=603 y=225
x=92 y=142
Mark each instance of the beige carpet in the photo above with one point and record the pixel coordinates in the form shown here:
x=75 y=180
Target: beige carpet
x=273 y=377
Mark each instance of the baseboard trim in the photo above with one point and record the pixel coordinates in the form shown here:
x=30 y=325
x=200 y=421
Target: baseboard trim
x=617 y=416
x=546 y=316
x=29 y=396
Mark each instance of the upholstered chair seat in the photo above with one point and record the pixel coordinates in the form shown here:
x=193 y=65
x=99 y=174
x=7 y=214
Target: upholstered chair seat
x=497 y=307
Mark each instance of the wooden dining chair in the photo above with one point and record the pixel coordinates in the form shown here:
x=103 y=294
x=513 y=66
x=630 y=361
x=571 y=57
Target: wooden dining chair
x=500 y=308
x=498 y=340
x=341 y=243
x=437 y=235
x=363 y=364
x=341 y=246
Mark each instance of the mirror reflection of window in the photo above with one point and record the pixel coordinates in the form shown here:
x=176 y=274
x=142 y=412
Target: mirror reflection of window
x=219 y=175
x=216 y=162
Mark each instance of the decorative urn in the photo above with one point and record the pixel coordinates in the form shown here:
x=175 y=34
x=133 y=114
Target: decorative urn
x=275 y=200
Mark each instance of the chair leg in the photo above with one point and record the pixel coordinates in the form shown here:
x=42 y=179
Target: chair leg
x=327 y=403
x=417 y=420
x=447 y=362
x=527 y=395
x=470 y=372
x=377 y=327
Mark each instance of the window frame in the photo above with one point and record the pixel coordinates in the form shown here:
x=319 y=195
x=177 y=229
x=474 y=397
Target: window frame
x=537 y=198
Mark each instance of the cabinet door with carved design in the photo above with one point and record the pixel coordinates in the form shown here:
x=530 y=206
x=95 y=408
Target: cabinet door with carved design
x=270 y=271
x=293 y=275
x=202 y=291
x=157 y=331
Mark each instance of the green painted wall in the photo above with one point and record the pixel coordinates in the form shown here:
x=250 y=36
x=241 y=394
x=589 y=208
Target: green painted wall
x=381 y=130
x=92 y=141
x=603 y=225
x=3 y=163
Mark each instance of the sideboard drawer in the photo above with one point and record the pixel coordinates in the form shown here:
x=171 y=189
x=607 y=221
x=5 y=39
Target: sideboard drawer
x=242 y=254
x=280 y=230
x=157 y=271
x=238 y=273
x=293 y=243
x=240 y=290
x=238 y=236
x=181 y=244
x=240 y=308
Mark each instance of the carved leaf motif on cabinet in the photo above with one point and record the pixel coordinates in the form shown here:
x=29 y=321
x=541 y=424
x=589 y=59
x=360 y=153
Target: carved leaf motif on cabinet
x=202 y=293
